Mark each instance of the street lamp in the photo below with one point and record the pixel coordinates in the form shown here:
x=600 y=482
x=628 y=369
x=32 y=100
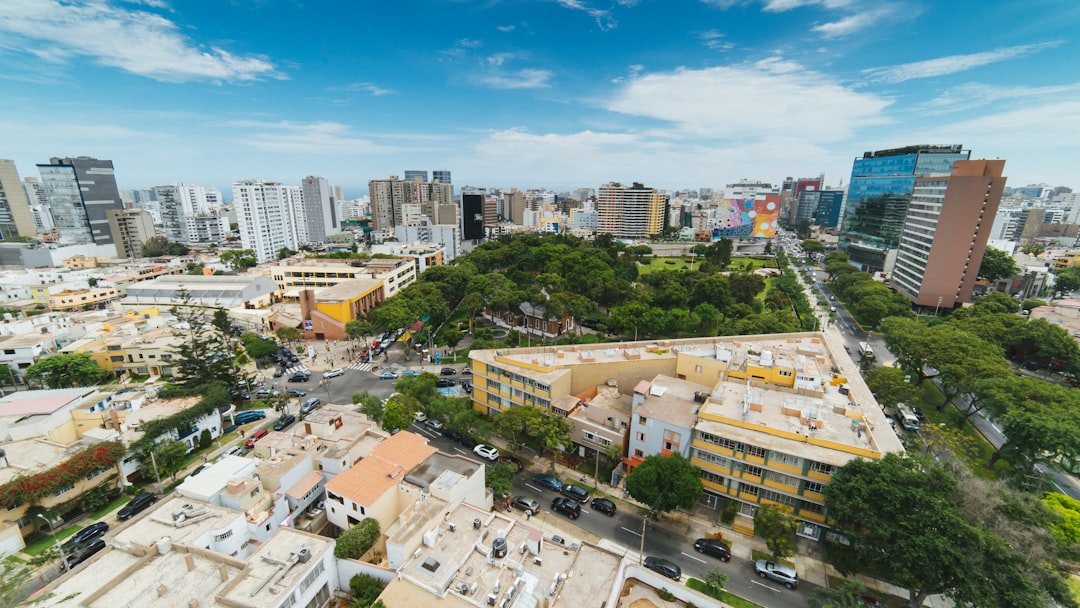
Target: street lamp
x=59 y=547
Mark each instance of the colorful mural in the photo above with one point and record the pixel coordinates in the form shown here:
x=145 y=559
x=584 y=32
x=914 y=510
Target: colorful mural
x=746 y=218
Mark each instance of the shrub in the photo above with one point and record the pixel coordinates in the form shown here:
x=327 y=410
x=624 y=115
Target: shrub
x=355 y=542
x=365 y=589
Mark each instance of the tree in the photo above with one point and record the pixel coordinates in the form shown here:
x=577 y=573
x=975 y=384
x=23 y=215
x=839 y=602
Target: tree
x=365 y=590
x=398 y=411
x=154 y=247
x=357 y=540
x=201 y=355
x=258 y=347
x=997 y=265
x=910 y=341
x=889 y=386
x=907 y=524
x=498 y=477
x=516 y=423
x=357 y=329
x=665 y=482
x=370 y=406
x=285 y=252
x=813 y=246
x=715 y=580
x=1035 y=249
x=453 y=337
x=777 y=525
x=66 y=371
x=240 y=259
x=288 y=334
x=13 y=577
x=169 y=456
x=849 y=595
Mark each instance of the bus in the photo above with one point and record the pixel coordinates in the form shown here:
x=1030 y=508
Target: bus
x=866 y=351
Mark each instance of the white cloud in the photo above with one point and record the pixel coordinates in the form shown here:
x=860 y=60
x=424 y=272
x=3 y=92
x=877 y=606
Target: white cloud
x=136 y=41
x=603 y=18
x=521 y=79
x=498 y=59
x=854 y=23
x=780 y=6
x=369 y=87
x=505 y=28
x=953 y=63
x=974 y=95
x=714 y=39
x=765 y=99
x=306 y=138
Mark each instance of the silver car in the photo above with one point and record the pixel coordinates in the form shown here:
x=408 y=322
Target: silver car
x=777 y=572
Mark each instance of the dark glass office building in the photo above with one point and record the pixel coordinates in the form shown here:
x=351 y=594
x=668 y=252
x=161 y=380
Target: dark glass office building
x=81 y=192
x=472 y=217
x=878 y=196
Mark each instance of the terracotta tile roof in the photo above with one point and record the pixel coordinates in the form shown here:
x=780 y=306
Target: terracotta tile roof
x=387 y=464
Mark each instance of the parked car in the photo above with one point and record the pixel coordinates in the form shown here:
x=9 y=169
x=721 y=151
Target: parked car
x=333 y=373
x=713 y=547
x=547 y=481
x=604 y=506
x=137 y=505
x=445 y=382
x=777 y=572
x=249 y=416
x=466 y=386
x=448 y=371
x=486 y=451
x=468 y=442
x=526 y=504
x=296 y=392
x=279 y=372
x=284 y=422
x=411 y=372
x=567 y=507
x=388 y=375
x=451 y=434
x=263 y=393
x=420 y=417
x=300 y=377
x=919 y=413
x=310 y=405
x=577 y=493
x=663 y=566
x=83 y=554
x=465 y=371
x=433 y=424
x=257 y=435
x=88 y=534
x=233 y=451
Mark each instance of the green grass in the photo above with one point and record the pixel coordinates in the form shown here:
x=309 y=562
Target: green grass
x=966 y=443
x=112 y=505
x=1073 y=583
x=45 y=541
x=657 y=264
x=724 y=596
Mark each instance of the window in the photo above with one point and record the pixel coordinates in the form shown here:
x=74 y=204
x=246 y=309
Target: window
x=788 y=459
x=811 y=486
x=220 y=537
x=812 y=507
x=750 y=469
x=749 y=489
x=642 y=420
x=712 y=458
x=712 y=477
x=639 y=454
x=783 y=499
x=310 y=578
x=820 y=467
x=640 y=437
x=787 y=480
x=63 y=490
x=753 y=450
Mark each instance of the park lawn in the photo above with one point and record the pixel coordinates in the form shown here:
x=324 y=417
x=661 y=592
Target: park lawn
x=657 y=264
x=724 y=596
x=45 y=541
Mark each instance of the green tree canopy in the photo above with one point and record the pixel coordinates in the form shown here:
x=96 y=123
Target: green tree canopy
x=288 y=334
x=1067 y=280
x=665 y=482
x=997 y=265
x=357 y=540
x=65 y=371
x=239 y=259
x=777 y=525
x=813 y=246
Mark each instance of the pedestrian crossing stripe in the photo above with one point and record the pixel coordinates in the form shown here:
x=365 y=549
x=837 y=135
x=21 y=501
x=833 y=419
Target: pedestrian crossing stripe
x=364 y=367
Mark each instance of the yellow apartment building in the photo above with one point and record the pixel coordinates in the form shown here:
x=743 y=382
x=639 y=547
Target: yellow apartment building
x=767 y=419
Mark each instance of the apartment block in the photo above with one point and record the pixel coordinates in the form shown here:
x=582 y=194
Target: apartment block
x=16 y=218
x=130 y=228
x=630 y=212
x=767 y=419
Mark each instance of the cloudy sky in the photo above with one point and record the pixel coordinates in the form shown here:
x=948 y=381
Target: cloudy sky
x=535 y=93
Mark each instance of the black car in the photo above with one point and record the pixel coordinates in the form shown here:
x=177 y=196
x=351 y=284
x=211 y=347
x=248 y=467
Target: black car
x=83 y=554
x=577 y=493
x=300 y=377
x=284 y=422
x=445 y=382
x=604 y=506
x=918 y=413
x=452 y=435
x=88 y=534
x=663 y=566
x=295 y=392
x=713 y=547
x=567 y=507
x=136 y=506
x=466 y=386
x=448 y=371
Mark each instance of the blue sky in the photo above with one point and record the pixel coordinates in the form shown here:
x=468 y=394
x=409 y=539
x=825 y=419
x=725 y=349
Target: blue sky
x=535 y=93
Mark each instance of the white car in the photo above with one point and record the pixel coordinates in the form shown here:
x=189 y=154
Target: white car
x=486 y=451
x=419 y=416
x=333 y=373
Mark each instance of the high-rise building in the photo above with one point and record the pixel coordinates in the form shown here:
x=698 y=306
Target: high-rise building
x=15 y=217
x=633 y=212
x=387 y=198
x=320 y=211
x=441 y=176
x=878 y=195
x=81 y=191
x=39 y=205
x=130 y=228
x=514 y=206
x=416 y=175
x=790 y=191
x=266 y=213
x=472 y=216
x=948 y=223
x=819 y=207
x=396 y=202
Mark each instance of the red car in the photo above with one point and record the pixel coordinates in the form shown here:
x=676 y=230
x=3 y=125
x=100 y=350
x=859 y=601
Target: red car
x=257 y=435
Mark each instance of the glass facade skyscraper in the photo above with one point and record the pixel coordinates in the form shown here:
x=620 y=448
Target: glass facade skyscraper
x=878 y=196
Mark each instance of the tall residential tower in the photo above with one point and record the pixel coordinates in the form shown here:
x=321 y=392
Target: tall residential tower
x=633 y=212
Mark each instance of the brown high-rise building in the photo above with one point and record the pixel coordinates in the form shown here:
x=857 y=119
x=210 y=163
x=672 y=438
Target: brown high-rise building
x=945 y=233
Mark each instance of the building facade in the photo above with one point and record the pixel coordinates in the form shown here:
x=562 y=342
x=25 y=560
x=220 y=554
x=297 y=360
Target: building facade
x=81 y=191
x=948 y=224
x=15 y=217
x=266 y=213
x=130 y=228
x=633 y=212
x=878 y=195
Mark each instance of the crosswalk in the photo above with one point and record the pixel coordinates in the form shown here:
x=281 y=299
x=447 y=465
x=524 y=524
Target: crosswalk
x=295 y=369
x=364 y=367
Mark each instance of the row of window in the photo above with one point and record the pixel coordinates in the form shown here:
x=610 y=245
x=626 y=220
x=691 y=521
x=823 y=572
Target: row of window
x=774 y=456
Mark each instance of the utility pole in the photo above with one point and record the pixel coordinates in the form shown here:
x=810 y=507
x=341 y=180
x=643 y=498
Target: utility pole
x=59 y=547
x=153 y=461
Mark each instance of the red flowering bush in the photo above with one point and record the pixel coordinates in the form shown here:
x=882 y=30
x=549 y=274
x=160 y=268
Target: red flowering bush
x=32 y=488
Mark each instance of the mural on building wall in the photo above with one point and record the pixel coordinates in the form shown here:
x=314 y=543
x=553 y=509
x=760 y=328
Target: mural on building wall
x=744 y=218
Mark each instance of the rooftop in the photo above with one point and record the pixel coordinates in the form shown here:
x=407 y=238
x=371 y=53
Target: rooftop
x=42 y=402
x=373 y=476
x=670 y=400
x=347 y=290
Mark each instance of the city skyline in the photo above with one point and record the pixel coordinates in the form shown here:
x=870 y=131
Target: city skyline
x=558 y=93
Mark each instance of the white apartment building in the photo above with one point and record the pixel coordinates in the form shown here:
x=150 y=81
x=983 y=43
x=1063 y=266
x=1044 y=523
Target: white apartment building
x=267 y=214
